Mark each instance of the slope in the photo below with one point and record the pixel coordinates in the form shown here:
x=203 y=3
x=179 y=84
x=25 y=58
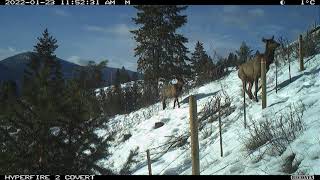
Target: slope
x=304 y=150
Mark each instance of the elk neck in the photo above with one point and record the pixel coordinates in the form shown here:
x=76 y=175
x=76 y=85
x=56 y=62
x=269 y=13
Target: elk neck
x=269 y=55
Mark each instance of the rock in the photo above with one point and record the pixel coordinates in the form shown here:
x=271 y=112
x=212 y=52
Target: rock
x=126 y=137
x=158 y=124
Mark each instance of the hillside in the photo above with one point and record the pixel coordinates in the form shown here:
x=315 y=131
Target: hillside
x=5 y=72
x=170 y=144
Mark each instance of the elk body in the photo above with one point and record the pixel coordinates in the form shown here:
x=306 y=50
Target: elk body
x=172 y=91
x=250 y=71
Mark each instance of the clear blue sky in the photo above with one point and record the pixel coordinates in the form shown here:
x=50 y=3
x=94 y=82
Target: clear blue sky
x=102 y=32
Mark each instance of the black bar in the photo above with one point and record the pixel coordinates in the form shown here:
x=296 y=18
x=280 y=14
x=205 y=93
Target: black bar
x=102 y=177
x=214 y=2
x=159 y=2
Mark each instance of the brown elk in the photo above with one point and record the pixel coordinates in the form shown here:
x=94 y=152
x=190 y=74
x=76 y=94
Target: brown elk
x=250 y=71
x=172 y=91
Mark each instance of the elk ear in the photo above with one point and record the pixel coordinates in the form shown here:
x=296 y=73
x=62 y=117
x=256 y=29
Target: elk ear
x=272 y=37
x=264 y=40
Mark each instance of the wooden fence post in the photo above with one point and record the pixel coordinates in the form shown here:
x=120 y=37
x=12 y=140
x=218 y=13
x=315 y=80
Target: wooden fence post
x=277 y=75
x=194 y=136
x=263 y=83
x=244 y=109
x=219 y=114
x=149 y=162
x=301 y=53
x=289 y=67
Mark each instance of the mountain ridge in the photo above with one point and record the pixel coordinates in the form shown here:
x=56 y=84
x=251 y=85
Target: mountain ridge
x=12 y=68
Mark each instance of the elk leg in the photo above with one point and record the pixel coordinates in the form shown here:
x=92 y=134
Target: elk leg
x=178 y=103
x=256 y=89
x=244 y=88
x=250 y=90
x=163 y=104
x=260 y=85
x=174 y=103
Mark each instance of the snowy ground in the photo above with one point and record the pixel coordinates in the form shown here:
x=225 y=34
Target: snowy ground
x=305 y=88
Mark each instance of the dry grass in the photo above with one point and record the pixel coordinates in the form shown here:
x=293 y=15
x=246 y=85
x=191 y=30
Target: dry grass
x=207 y=131
x=210 y=111
x=276 y=134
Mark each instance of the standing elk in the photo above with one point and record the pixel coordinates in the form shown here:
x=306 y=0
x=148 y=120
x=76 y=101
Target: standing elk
x=172 y=91
x=250 y=71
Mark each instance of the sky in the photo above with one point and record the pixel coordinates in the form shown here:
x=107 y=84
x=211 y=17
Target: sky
x=103 y=32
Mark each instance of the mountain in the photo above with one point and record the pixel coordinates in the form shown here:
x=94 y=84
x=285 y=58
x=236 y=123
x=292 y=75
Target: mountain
x=12 y=68
x=5 y=73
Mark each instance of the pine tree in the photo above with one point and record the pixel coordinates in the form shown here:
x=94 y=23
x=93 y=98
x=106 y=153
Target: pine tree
x=244 y=53
x=230 y=59
x=8 y=158
x=257 y=53
x=117 y=80
x=42 y=82
x=160 y=49
x=124 y=75
x=92 y=75
x=116 y=95
x=45 y=131
x=135 y=76
x=135 y=95
x=44 y=68
x=117 y=100
x=201 y=63
x=198 y=55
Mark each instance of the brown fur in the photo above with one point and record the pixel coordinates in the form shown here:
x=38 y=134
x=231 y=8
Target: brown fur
x=172 y=91
x=250 y=71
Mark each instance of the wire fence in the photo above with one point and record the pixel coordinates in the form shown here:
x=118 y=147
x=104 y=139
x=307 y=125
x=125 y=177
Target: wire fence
x=157 y=152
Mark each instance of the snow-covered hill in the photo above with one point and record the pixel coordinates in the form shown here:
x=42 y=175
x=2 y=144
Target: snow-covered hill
x=174 y=157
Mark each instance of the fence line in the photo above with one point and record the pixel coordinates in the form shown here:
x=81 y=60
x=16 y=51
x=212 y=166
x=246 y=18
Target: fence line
x=173 y=161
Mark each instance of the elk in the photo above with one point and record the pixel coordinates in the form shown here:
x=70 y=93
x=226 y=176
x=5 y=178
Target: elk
x=172 y=91
x=250 y=71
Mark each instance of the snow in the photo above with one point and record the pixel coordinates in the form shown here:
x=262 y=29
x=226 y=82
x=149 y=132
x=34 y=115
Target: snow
x=304 y=88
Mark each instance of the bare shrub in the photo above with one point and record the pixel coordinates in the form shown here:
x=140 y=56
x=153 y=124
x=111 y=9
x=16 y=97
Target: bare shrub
x=260 y=134
x=276 y=134
x=311 y=43
x=285 y=53
x=207 y=131
x=176 y=142
x=209 y=113
x=226 y=108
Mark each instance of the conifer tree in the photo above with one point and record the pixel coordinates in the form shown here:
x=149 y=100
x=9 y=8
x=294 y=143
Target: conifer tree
x=201 y=63
x=160 y=49
x=244 y=53
x=124 y=75
x=117 y=80
x=49 y=131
